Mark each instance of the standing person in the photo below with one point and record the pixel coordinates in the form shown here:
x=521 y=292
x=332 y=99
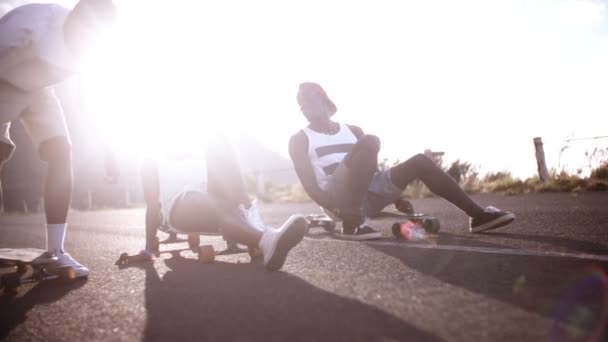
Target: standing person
x=210 y=196
x=337 y=165
x=42 y=45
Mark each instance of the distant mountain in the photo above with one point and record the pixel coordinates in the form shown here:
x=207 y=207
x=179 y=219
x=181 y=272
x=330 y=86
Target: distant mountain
x=255 y=157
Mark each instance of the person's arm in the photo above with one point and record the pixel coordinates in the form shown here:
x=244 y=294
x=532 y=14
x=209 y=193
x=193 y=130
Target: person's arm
x=111 y=166
x=151 y=190
x=357 y=131
x=6 y=151
x=298 y=151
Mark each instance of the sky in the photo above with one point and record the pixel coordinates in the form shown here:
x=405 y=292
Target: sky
x=475 y=79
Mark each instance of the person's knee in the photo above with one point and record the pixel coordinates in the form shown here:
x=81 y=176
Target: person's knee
x=56 y=150
x=422 y=161
x=371 y=143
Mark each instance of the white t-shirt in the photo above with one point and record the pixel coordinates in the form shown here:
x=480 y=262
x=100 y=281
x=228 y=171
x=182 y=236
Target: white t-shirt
x=33 y=53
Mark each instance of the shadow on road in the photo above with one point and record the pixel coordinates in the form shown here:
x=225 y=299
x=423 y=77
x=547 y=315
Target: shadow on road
x=14 y=309
x=244 y=302
x=569 y=291
x=573 y=245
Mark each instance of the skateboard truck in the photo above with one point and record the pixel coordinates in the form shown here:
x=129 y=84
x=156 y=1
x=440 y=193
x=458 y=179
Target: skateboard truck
x=11 y=283
x=323 y=221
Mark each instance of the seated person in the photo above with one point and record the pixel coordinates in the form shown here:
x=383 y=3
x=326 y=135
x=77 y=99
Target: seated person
x=337 y=165
x=215 y=203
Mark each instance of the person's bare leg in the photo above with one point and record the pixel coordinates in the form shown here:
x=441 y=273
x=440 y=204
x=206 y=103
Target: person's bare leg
x=361 y=164
x=439 y=182
x=57 y=153
x=224 y=175
x=57 y=196
x=1 y=197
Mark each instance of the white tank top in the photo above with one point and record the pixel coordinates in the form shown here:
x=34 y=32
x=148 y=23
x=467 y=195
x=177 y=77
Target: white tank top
x=326 y=151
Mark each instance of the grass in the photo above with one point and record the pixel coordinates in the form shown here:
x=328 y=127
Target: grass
x=498 y=182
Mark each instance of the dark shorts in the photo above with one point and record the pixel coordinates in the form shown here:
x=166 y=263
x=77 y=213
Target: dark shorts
x=381 y=191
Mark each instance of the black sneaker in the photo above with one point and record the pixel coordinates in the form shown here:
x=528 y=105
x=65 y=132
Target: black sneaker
x=491 y=218
x=363 y=232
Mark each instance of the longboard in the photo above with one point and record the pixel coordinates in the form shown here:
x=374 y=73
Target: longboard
x=205 y=253
x=28 y=259
x=401 y=224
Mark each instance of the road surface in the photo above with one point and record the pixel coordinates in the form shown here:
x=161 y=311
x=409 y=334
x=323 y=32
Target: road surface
x=541 y=278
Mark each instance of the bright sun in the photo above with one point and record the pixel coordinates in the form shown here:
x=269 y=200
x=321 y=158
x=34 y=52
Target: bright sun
x=173 y=72
x=154 y=86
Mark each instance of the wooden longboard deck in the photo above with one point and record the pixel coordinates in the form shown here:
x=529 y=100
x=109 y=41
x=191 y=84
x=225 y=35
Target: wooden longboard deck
x=25 y=255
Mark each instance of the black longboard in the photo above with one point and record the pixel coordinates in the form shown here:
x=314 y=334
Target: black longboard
x=430 y=224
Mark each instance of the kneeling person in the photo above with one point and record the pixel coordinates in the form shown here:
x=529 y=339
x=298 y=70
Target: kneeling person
x=218 y=205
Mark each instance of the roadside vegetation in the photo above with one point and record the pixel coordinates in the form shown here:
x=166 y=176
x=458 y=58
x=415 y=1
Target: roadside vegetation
x=501 y=182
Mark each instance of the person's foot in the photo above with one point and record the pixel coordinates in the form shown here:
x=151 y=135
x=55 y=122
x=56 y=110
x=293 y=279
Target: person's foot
x=276 y=243
x=64 y=259
x=491 y=218
x=363 y=232
x=45 y=258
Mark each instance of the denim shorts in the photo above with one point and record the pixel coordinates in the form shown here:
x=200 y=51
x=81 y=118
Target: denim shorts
x=381 y=191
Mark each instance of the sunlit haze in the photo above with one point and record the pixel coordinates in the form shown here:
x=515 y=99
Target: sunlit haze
x=475 y=79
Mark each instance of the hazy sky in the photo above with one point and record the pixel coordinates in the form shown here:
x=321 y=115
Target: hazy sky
x=475 y=79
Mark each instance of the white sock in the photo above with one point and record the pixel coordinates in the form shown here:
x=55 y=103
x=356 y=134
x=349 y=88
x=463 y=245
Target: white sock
x=55 y=235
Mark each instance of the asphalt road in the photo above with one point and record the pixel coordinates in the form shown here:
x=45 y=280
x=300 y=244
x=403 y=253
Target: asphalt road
x=541 y=278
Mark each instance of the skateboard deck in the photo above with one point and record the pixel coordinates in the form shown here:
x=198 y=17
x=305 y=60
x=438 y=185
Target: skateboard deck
x=19 y=255
x=29 y=268
x=429 y=224
x=205 y=253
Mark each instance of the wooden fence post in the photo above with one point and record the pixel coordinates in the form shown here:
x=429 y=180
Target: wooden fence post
x=543 y=174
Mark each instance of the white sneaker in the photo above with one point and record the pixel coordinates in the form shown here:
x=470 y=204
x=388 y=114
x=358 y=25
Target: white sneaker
x=252 y=215
x=64 y=259
x=276 y=243
x=45 y=258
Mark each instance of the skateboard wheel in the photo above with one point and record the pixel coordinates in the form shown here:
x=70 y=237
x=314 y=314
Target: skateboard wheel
x=329 y=226
x=194 y=240
x=66 y=273
x=255 y=253
x=21 y=269
x=404 y=206
x=12 y=290
x=431 y=225
x=396 y=229
x=11 y=284
x=206 y=254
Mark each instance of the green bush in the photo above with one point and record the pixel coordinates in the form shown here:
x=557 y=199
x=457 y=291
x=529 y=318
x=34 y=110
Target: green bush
x=288 y=193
